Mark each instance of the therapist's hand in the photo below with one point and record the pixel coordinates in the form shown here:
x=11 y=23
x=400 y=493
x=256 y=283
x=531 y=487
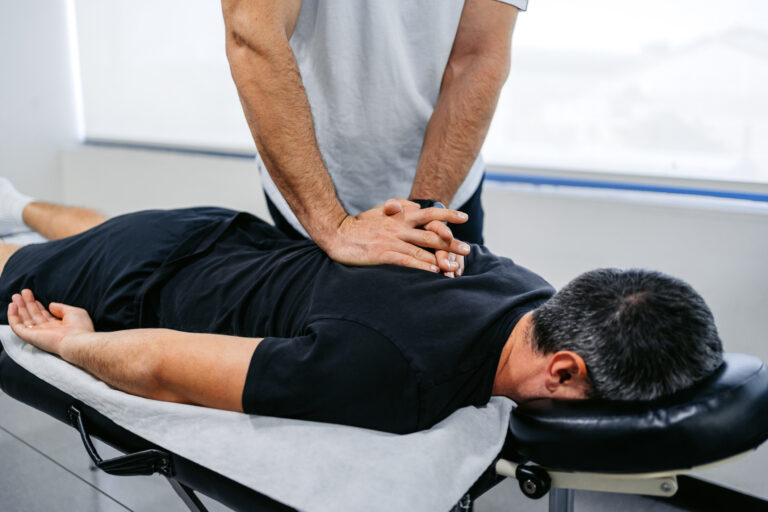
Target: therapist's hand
x=451 y=264
x=380 y=236
x=42 y=328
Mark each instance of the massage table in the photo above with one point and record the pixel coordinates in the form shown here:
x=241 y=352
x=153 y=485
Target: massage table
x=549 y=447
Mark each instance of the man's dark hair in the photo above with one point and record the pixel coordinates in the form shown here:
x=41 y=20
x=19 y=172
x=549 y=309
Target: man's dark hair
x=642 y=334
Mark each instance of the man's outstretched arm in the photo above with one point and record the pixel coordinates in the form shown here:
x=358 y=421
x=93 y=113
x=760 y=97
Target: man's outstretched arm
x=161 y=364
x=277 y=110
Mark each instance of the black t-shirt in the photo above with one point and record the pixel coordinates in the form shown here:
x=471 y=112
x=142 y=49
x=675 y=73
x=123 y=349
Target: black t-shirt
x=382 y=347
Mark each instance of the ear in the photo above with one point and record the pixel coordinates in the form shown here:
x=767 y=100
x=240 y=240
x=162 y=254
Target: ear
x=566 y=376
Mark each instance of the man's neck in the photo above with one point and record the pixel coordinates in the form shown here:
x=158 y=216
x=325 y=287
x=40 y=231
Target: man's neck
x=515 y=356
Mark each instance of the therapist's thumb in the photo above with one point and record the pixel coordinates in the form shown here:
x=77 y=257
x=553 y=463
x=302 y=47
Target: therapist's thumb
x=392 y=207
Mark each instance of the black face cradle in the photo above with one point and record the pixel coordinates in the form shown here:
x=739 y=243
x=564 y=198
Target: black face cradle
x=722 y=416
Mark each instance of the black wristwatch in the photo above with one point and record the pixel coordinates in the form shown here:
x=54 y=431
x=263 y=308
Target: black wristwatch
x=428 y=203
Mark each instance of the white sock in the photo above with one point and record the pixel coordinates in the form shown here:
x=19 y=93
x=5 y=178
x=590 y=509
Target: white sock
x=12 y=203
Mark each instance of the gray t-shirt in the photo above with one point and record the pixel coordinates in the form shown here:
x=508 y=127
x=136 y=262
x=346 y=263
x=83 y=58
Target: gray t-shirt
x=372 y=72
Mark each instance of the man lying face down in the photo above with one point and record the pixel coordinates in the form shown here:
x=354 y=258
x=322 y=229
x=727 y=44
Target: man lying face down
x=213 y=307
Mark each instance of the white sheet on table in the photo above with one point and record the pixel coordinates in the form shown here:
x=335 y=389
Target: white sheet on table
x=309 y=466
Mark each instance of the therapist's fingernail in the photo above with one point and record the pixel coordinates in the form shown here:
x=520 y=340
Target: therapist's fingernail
x=463 y=215
x=464 y=248
x=434 y=268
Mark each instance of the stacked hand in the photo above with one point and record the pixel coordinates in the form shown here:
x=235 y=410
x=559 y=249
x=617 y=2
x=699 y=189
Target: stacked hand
x=392 y=234
x=451 y=262
x=43 y=328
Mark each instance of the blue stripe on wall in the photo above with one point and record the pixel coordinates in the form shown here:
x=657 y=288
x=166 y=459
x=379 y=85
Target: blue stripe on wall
x=616 y=185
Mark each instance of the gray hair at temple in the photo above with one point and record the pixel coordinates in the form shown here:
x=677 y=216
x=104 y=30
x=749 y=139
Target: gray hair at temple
x=642 y=334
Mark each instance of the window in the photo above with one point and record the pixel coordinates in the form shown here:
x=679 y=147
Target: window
x=154 y=72
x=654 y=87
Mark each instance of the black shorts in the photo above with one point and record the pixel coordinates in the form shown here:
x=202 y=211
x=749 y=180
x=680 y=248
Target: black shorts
x=103 y=269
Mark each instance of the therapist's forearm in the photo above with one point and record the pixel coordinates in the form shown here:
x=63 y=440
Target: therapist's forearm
x=277 y=110
x=459 y=124
x=161 y=364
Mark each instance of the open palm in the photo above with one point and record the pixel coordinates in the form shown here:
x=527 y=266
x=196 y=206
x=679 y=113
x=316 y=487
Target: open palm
x=44 y=328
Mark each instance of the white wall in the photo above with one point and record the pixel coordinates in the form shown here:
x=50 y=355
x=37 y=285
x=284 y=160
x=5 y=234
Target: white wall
x=36 y=94
x=117 y=181
x=157 y=72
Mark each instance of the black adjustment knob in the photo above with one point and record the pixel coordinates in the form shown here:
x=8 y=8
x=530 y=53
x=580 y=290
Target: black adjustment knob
x=534 y=481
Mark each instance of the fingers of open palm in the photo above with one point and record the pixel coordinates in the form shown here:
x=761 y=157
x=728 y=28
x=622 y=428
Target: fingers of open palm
x=17 y=322
x=36 y=312
x=14 y=318
x=21 y=322
x=21 y=306
x=44 y=336
x=45 y=312
x=33 y=307
x=426 y=215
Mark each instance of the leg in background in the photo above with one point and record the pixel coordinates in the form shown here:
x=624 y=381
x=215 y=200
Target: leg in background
x=50 y=220
x=54 y=221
